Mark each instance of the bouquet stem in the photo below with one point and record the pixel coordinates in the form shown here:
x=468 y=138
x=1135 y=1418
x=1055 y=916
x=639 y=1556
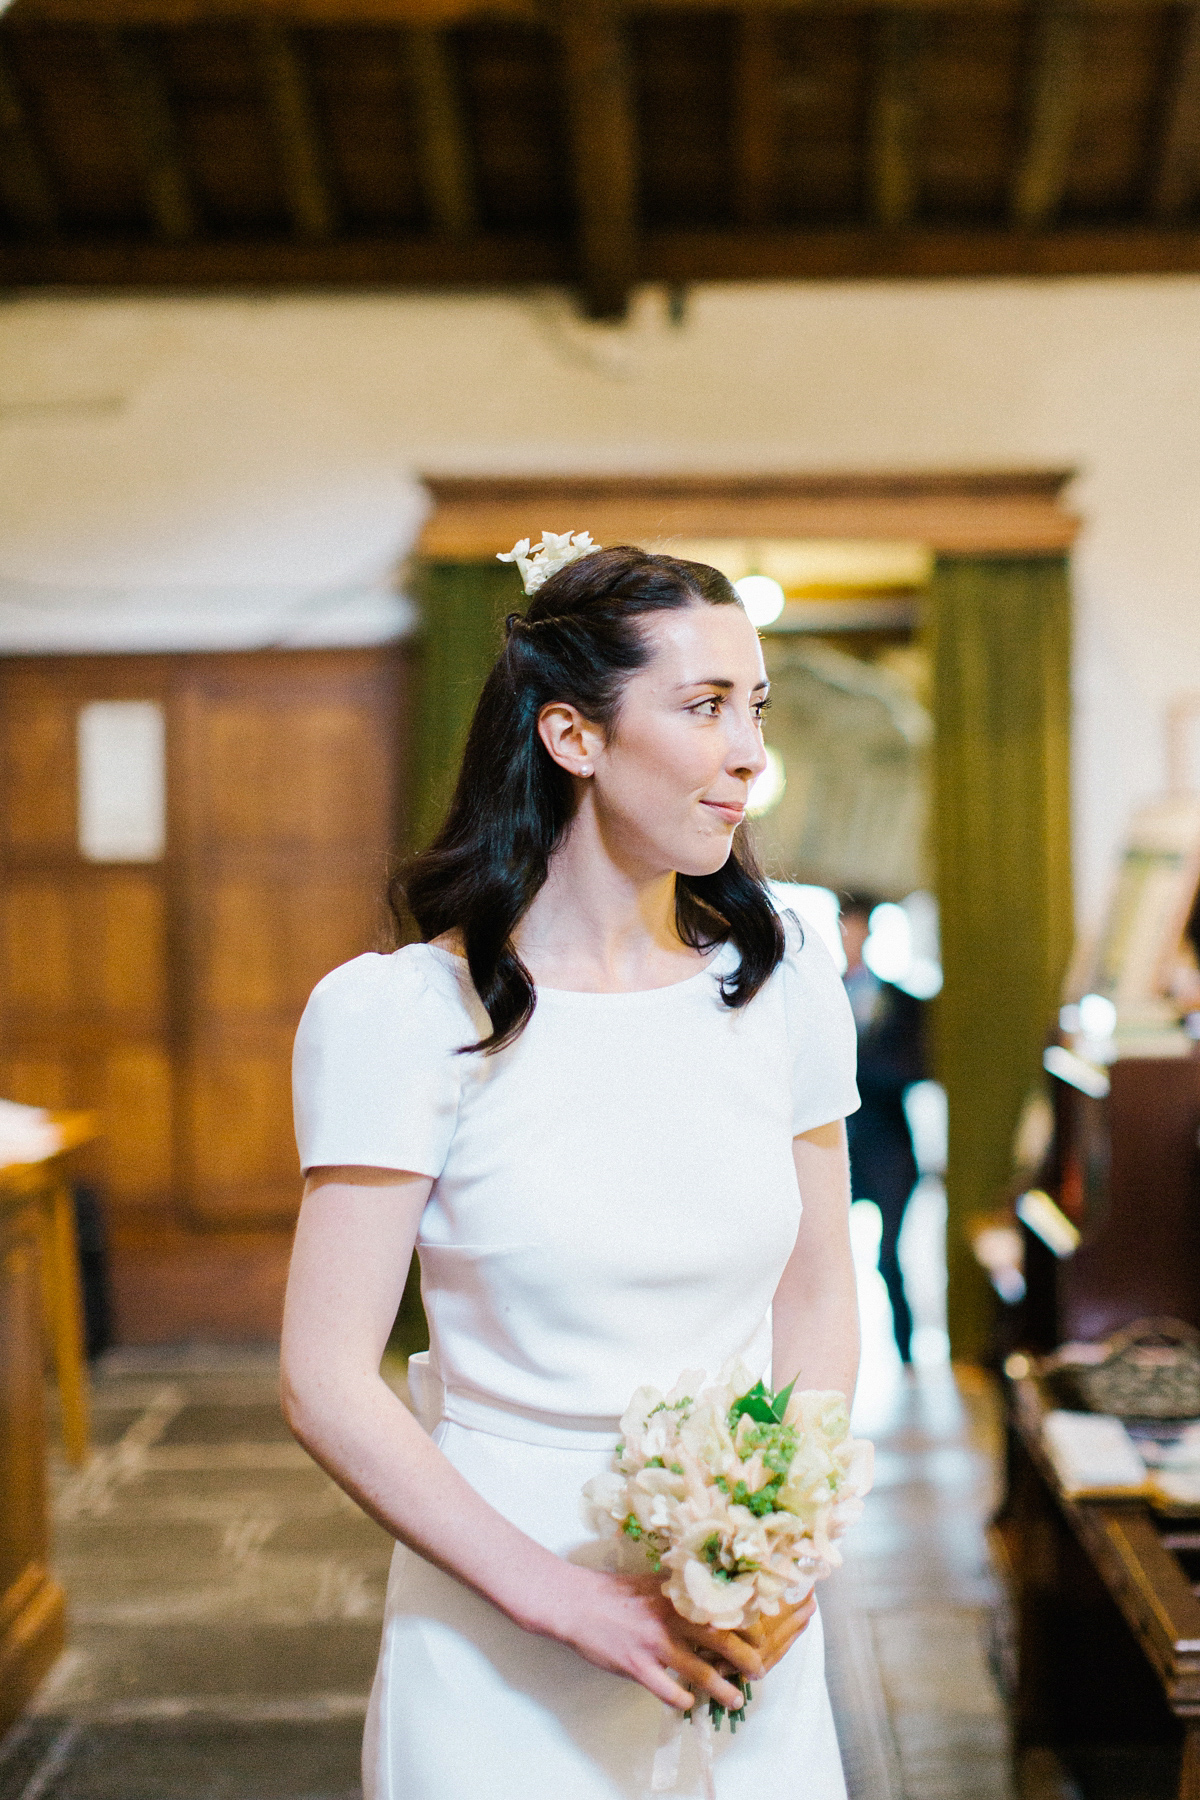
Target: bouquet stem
x=736 y=1716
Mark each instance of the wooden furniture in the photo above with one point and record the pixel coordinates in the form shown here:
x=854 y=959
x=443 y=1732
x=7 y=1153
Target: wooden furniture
x=166 y=993
x=1125 y=1169
x=1105 y=1591
x=1107 y=1611
x=39 y=1303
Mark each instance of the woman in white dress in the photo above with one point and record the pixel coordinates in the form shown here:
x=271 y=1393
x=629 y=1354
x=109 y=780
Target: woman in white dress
x=593 y=1098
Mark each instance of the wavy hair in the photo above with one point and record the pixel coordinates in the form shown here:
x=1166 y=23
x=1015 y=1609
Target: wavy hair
x=579 y=641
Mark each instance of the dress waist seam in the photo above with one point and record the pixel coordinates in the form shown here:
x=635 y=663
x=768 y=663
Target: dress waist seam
x=434 y=1402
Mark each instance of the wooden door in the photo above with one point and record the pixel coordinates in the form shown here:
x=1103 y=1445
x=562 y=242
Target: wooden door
x=165 y=993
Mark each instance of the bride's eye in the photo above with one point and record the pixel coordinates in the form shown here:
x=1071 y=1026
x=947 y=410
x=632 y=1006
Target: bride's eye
x=712 y=701
x=760 y=707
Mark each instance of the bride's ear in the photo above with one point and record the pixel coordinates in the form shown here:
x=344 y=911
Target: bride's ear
x=573 y=741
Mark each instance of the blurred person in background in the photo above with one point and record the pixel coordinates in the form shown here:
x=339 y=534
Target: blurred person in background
x=891 y=1056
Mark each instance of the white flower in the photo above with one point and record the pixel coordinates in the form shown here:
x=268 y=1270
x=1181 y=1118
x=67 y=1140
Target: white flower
x=699 y=1596
x=556 y=550
x=736 y=1530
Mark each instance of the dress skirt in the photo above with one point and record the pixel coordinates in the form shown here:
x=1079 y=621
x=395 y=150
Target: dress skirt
x=468 y=1706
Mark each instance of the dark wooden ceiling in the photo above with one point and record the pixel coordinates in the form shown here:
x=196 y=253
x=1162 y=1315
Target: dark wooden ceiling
x=351 y=143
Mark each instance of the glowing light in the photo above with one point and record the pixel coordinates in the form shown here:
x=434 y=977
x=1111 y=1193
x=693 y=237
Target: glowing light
x=816 y=906
x=762 y=597
x=888 y=950
x=1097 y=1016
x=767 y=791
x=902 y=946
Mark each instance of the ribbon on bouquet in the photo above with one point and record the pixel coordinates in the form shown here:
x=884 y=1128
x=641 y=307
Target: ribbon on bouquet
x=664 y=1776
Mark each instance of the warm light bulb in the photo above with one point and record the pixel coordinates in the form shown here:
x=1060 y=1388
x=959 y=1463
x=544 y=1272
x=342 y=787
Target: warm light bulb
x=762 y=597
x=767 y=790
x=1097 y=1016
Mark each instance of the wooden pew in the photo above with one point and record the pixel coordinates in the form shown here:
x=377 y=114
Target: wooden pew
x=40 y=1309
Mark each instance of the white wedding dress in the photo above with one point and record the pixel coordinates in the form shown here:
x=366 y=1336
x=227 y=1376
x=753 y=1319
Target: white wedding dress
x=614 y=1201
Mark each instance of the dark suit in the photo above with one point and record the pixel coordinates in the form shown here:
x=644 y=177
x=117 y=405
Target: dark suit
x=891 y=1056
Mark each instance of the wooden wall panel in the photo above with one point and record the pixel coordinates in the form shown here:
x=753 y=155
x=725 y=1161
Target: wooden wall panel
x=136 y=1085
x=95 y=942
x=37 y=739
x=165 y=995
x=291 y=801
x=271 y=941
x=242 y=1152
x=85 y=1007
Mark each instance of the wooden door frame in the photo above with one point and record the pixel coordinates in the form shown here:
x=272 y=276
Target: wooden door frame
x=997 y=521
x=1014 y=512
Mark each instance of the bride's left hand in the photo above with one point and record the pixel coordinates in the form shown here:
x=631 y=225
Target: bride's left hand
x=773 y=1637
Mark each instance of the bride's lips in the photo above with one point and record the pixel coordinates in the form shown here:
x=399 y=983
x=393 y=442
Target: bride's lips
x=732 y=810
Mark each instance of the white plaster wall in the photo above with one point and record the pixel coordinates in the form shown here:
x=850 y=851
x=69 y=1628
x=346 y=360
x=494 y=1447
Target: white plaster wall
x=229 y=455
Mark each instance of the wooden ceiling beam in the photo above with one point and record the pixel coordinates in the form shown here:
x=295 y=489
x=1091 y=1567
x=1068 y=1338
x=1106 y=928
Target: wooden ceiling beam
x=894 y=119
x=443 y=140
x=1052 y=114
x=684 y=257
x=756 y=122
x=918 y=254
x=1177 y=176
x=146 y=115
x=302 y=163
x=25 y=186
x=599 y=94
x=440 y=14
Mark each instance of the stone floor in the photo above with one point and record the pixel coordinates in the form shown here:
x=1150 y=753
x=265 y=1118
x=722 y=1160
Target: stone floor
x=224 y=1595
x=225 y=1600
x=918 y=1577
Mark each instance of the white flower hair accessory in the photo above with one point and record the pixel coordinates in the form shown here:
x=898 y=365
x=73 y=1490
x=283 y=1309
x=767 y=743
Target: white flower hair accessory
x=556 y=550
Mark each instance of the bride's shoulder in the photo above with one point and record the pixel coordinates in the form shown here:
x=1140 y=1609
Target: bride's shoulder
x=415 y=981
x=807 y=961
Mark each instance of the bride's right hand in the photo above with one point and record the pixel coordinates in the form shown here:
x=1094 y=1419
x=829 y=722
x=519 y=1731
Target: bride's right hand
x=624 y=1623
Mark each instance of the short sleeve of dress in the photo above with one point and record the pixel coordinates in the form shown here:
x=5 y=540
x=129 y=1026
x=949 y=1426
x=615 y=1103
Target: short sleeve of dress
x=821 y=1031
x=375 y=1078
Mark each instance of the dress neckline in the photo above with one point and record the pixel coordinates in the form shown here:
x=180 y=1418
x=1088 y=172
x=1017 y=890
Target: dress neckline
x=459 y=965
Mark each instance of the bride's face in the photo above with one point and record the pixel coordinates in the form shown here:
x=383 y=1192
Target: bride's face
x=670 y=784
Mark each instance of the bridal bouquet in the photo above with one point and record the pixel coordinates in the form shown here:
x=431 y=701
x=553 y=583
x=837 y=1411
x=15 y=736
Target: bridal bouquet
x=736 y=1494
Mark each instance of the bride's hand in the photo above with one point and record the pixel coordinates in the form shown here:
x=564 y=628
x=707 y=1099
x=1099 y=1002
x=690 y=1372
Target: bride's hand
x=624 y=1623
x=772 y=1637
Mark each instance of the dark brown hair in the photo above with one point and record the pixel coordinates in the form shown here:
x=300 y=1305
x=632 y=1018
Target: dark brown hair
x=579 y=641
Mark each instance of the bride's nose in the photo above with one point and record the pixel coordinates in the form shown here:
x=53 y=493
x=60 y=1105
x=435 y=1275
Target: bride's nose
x=748 y=756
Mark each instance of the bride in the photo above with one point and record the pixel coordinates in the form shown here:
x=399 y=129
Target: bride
x=594 y=1097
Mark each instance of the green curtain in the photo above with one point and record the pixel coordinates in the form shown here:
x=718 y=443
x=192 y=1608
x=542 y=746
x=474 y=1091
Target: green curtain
x=1001 y=630
x=463 y=605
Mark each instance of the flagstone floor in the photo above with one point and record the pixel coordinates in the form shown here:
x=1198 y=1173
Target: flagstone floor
x=225 y=1597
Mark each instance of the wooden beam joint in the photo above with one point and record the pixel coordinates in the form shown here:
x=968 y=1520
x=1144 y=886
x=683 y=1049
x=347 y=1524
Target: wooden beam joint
x=601 y=117
x=1052 y=116
x=1178 y=174
x=756 y=119
x=25 y=186
x=895 y=118
x=145 y=112
x=443 y=139
x=302 y=163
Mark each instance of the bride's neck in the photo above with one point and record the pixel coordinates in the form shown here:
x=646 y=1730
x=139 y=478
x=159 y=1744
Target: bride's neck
x=600 y=925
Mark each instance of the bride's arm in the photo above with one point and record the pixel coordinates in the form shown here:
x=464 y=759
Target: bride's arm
x=815 y=1310
x=814 y=1316
x=354 y=1242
